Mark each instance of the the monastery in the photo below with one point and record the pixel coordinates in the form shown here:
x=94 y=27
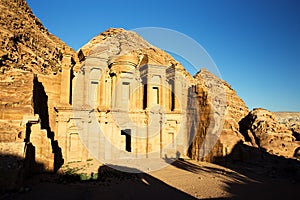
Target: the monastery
x=125 y=101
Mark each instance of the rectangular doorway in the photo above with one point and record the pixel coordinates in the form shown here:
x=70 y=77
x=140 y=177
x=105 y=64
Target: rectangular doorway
x=127 y=134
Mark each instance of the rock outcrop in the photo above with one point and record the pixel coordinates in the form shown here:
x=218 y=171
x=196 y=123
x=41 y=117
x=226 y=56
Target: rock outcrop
x=291 y=120
x=28 y=49
x=25 y=43
x=262 y=129
x=31 y=65
x=220 y=112
x=129 y=44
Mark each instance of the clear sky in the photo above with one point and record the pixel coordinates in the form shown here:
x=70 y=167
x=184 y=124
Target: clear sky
x=254 y=43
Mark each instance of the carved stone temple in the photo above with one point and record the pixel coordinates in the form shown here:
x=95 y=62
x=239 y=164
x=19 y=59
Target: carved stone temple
x=116 y=98
x=124 y=101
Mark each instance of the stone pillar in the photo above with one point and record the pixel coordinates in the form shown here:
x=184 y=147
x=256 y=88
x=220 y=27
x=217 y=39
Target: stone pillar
x=167 y=98
x=108 y=94
x=118 y=92
x=147 y=135
x=177 y=91
x=149 y=89
x=85 y=152
x=162 y=95
x=62 y=137
x=101 y=91
x=113 y=92
x=160 y=137
x=86 y=87
x=65 y=79
x=139 y=95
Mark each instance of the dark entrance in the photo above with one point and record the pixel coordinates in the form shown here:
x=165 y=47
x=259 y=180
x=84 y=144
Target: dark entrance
x=127 y=133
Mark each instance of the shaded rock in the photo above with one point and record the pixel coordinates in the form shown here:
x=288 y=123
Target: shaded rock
x=261 y=128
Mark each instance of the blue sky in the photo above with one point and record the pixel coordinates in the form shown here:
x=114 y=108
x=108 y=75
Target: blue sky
x=254 y=43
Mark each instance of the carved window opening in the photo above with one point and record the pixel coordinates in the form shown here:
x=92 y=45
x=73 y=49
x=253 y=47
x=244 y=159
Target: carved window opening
x=172 y=95
x=145 y=97
x=71 y=85
x=93 y=94
x=155 y=95
x=125 y=92
x=124 y=96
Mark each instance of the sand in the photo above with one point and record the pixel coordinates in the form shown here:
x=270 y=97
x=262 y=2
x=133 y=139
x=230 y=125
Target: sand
x=183 y=179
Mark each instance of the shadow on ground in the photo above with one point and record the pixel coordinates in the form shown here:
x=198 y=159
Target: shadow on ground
x=256 y=173
x=108 y=184
x=272 y=177
x=248 y=173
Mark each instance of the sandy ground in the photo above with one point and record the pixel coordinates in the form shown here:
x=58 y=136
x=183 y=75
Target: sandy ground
x=183 y=179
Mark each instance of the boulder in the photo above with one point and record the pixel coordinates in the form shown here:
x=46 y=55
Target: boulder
x=262 y=129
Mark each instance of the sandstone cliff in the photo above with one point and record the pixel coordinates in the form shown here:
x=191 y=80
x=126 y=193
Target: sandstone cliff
x=25 y=43
x=120 y=42
x=220 y=112
x=26 y=48
x=31 y=63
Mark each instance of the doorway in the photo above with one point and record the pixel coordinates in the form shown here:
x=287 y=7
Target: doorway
x=127 y=134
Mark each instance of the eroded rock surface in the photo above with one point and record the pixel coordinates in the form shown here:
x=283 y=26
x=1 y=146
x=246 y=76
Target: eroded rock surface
x=291 y=120
x=220 y=112
x=262 y=129
x=25 y=43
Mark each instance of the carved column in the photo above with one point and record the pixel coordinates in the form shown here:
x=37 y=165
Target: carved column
x=86 y=87
x=108 y=93
x=148 y=93
x=113 y=92
x=65 y=80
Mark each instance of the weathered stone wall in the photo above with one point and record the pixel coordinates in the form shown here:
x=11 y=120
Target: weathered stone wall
x=27 y=48
x=31 y=61
x=46 y=96
x=15 y=94
x=15 y=102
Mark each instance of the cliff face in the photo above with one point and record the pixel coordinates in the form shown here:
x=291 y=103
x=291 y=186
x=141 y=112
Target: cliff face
x=27 y=48
x=25 y=43
x=220 y=112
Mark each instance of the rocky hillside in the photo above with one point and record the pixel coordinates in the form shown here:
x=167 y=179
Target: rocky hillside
x=220 y=112
x=25 y=43
x=26 y=48
x=128 y=43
